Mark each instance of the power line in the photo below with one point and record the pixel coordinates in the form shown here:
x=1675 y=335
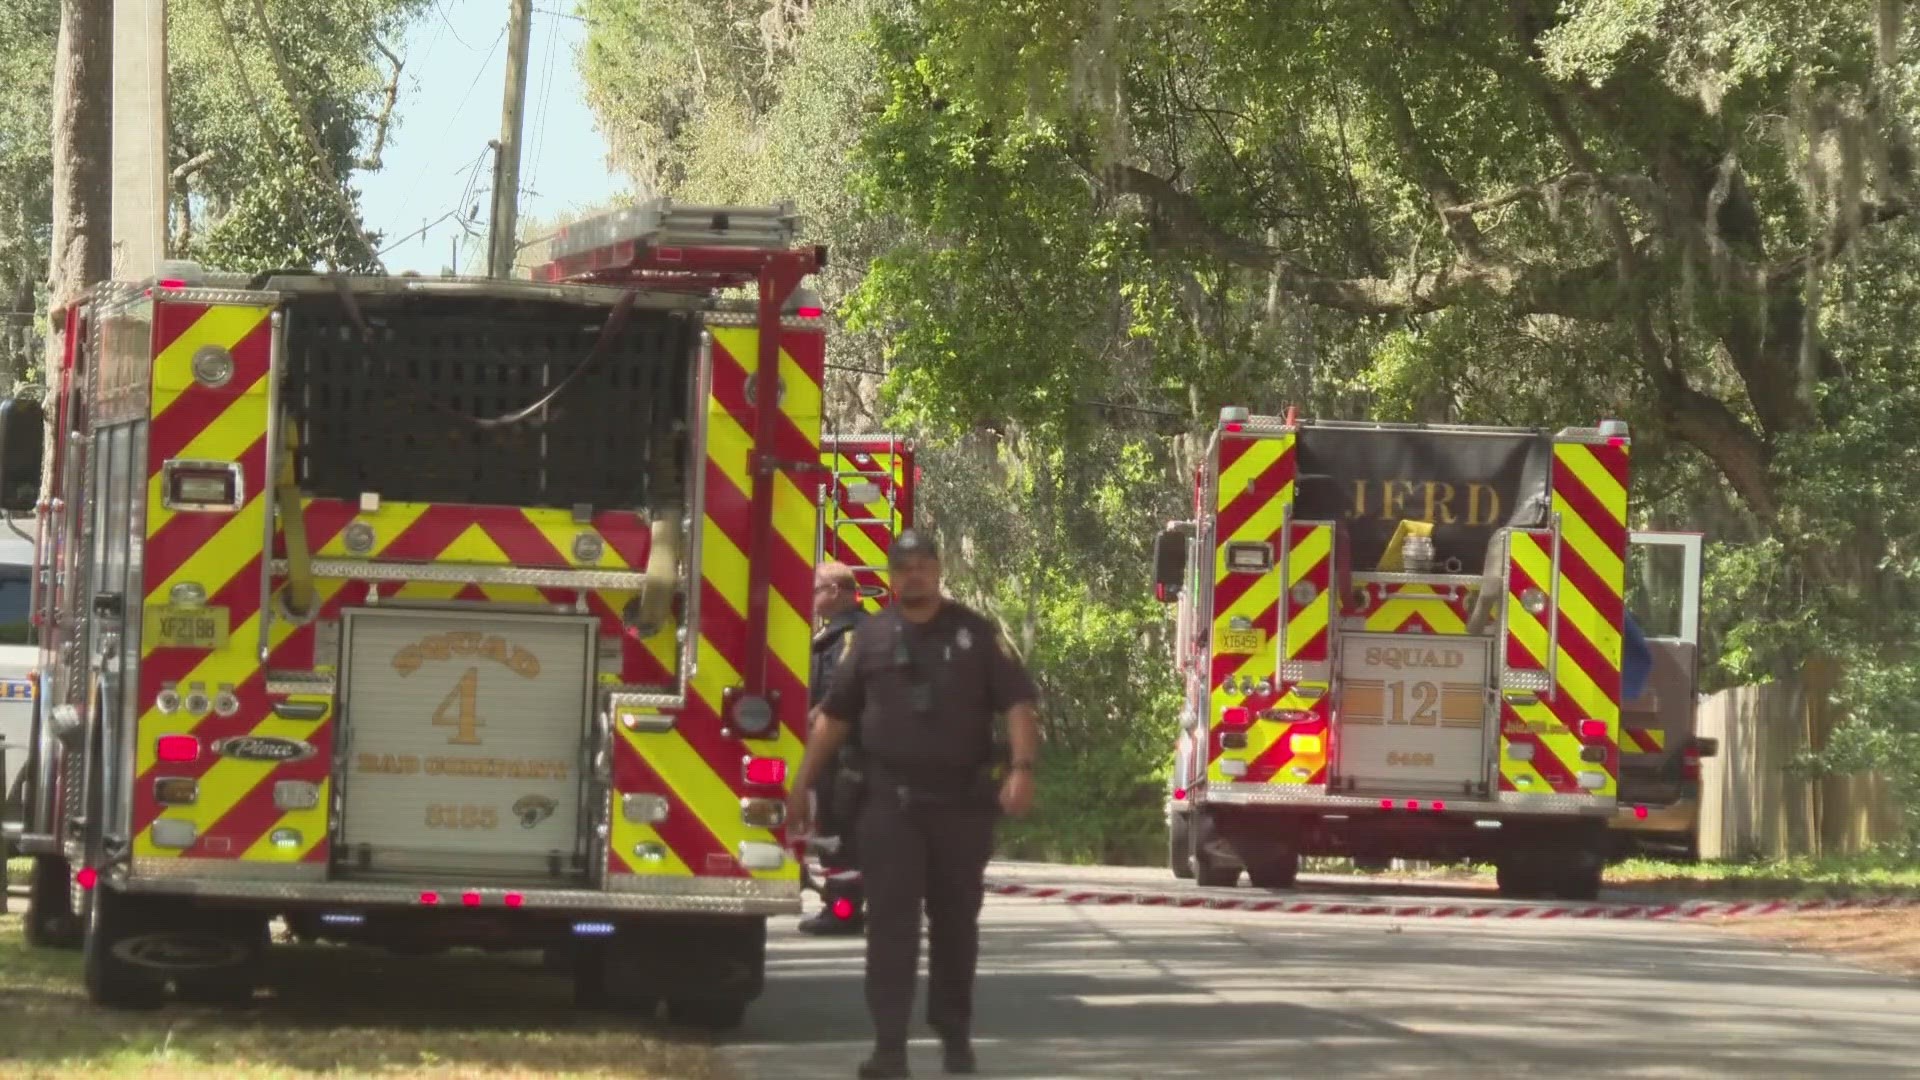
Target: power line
x=546 y=103
x=414 y=187
x=441 y=8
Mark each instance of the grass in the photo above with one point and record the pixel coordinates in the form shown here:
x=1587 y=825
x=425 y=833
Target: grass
x=1891 y=872
x=336 y=1013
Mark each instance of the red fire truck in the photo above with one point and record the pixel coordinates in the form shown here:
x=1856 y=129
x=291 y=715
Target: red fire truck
x=868 y=503
x=430 y=612
x=1399 y=641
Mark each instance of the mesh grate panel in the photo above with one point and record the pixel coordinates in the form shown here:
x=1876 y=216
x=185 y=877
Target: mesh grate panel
x=387 y=417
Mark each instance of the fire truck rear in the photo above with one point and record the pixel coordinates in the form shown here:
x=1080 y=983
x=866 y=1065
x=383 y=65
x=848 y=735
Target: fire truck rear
x=868 y=502
x=434 y=612
x=1399 y=641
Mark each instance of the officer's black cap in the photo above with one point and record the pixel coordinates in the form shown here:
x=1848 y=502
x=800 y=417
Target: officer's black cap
x=912 y=544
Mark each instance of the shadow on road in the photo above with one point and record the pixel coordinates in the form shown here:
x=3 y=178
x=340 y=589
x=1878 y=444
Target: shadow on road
x=1125 y=992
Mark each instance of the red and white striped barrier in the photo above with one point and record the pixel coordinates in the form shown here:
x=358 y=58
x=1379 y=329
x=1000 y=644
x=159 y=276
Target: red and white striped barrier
x=1681 y=910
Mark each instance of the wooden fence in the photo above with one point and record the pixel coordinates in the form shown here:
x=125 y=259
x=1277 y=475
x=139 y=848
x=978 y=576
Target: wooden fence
x=1753 y=805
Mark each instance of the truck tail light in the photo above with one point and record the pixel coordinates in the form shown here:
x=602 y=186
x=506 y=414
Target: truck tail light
x=177 y=749
x=1690 y=763
x=766 y=770
x=1236 y=716
x=1593 y=729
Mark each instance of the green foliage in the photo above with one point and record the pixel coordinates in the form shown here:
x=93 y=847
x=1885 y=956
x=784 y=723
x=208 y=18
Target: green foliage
x=1069 y=233
x=255 y=197
x=27 y=32
x=263 y=200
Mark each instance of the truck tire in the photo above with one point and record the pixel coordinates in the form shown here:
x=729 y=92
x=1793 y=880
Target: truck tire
x=1274 y=872
x=113 y=919
x=1521 y=879
x=51 y=922
x=1208 y=870
x=1180 y=844
x=1579 y=875
x=710 y=1014
x=590 y=990
x=229 y=986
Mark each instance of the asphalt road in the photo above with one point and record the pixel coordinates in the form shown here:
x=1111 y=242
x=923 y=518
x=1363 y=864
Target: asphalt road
x=1125 y=991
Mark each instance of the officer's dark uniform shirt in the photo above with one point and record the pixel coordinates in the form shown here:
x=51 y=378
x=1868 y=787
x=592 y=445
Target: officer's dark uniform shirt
x=969 y=675
x=828 y=645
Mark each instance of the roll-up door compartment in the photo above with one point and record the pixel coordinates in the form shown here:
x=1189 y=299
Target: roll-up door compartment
x=466 y=740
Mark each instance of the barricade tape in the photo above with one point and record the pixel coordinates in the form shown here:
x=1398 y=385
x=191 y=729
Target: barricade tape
x=1680 y=910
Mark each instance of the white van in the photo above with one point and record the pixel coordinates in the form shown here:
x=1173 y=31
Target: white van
x=18 y=655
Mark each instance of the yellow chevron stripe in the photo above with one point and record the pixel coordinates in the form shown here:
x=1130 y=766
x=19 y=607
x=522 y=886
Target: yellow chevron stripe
x=1261 y=525
x=1526 y=628
x=1522 y=624
x=628 y=834
x=725 y=568
x=311 y=824
x=802 y=402
x=227 y=438
x=1578 y=535
x=1578 y=685
x=1395 y=612
x=219 y=559
x=1257 y=459
x=1575 y=608
x=226 y=325
x=1656 y=736
x=1579 y=459
x=1305 y=623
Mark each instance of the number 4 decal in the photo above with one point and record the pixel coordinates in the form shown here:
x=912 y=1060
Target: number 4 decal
x=457 y=711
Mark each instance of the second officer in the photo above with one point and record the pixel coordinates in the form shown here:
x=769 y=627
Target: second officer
x=924 y=682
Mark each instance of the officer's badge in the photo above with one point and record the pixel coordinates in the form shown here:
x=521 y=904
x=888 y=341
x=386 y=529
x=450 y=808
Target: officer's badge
x=964 y=638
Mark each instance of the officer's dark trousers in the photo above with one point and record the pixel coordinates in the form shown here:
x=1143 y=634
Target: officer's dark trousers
x=910 y=856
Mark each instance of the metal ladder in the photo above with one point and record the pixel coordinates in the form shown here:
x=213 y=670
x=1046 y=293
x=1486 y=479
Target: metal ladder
x=663 y=223
x=831 y=514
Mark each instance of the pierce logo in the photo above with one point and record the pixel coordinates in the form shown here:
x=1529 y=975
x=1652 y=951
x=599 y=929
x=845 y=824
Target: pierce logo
x=263 y=748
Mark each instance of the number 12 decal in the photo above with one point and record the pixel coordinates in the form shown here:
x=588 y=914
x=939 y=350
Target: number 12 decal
x=1426 y=704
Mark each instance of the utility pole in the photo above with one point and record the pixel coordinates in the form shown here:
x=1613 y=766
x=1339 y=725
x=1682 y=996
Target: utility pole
x=140 y=165
x=506 y=157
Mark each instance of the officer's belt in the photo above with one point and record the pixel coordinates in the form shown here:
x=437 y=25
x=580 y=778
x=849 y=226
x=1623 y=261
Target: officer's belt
x=930 y=785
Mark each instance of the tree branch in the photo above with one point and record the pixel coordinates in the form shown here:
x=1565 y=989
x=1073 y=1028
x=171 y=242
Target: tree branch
x=192 y=165
x=1786 y=271
x=371 y=162
x=1179 y=222
x=1442 y=190
x=350 y=217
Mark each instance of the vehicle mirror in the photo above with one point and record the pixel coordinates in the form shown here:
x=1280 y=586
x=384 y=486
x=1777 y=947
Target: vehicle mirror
x=1170 y=561
x=20 y=453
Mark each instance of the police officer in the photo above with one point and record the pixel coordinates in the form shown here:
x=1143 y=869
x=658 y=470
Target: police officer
x=923 y=683
x=836 y=600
